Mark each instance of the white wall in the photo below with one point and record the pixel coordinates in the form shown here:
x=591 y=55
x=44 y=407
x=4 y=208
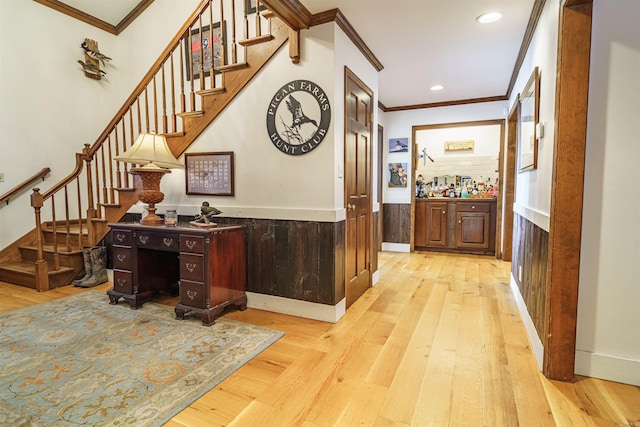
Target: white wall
x=533 y=196
x=48 y=108
x=608 y=330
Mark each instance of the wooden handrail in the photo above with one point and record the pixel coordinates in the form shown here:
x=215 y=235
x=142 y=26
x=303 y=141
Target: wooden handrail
x=23 y=185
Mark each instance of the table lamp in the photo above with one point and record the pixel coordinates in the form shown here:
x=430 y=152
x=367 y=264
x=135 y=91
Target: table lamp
x=152 y=151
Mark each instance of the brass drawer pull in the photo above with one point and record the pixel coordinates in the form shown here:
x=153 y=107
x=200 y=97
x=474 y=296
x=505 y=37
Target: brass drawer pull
x=168 y=242
x=191 y=267
x=191 y=244
x=192 y=295
x=143 y=239
x=120 y=237
x=121 y=257
x=121 y=283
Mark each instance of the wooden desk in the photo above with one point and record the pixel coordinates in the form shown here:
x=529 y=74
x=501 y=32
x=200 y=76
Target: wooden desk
x=206 y=266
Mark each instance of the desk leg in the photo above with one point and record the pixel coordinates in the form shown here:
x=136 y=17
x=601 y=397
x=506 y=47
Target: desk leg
x=135 y=300
x=209 y=315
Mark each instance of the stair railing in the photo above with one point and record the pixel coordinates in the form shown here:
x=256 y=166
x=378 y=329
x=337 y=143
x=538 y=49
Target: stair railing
x=6 y=197
x=153 y=106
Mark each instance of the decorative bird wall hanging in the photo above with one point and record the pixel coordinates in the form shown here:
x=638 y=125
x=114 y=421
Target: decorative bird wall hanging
x=91 y=69
x=92 y=59
x=95 y=52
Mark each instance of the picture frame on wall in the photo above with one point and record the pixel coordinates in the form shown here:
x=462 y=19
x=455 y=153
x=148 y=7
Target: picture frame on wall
x=210 y=173
x=397 y=175
x=528 y=118
x=205 y=53
x=399 y=145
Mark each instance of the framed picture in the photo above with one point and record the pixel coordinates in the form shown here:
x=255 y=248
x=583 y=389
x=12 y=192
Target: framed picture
x=204 y=52
x=527 y=121
x=250 y=6
x=397 y=175
x=209 y=173
x=399 y=145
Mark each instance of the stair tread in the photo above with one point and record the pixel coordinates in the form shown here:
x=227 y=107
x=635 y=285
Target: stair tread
x=211 y=91
x=256 y=40
x=28 y=267
x=48 y=247
x=231 y=67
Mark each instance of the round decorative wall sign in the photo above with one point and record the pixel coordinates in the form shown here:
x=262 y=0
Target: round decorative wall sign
x=298 y=117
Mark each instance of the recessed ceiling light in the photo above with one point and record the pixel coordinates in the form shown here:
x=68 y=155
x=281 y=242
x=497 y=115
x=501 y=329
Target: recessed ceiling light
x=436 y=87
x=489 y=17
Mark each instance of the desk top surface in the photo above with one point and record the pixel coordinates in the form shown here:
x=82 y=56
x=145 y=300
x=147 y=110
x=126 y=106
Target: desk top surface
x=180 y=228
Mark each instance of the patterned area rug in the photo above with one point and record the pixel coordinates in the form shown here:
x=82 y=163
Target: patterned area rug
x=79 y=361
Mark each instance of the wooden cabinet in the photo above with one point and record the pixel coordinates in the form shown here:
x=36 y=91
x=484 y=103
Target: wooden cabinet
x=431 y=224
x=455 y=225
x=206 y=267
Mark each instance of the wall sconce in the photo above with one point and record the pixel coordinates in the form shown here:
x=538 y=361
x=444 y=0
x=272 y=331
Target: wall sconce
x=152 y=151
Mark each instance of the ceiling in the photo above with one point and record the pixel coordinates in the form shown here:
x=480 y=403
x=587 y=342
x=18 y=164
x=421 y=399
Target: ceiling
x=420 y=43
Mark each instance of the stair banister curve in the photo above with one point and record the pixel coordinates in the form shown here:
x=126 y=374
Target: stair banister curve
x=106 y=183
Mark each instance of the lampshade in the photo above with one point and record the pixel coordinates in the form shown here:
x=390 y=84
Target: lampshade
x=151 y=151
x=150 y=147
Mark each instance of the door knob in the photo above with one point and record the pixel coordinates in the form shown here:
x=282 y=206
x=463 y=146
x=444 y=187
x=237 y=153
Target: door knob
x=351 y=207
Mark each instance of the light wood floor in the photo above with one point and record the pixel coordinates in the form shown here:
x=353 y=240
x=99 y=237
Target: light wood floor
x=438 y=341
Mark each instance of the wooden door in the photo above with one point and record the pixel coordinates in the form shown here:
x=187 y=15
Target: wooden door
x=358 y=231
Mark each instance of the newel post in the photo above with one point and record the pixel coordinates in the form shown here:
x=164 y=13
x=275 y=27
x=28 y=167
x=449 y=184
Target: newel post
x=42 y=269
x=91 y=208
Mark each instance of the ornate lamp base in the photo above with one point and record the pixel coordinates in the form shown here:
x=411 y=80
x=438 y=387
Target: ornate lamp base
x=150 y=175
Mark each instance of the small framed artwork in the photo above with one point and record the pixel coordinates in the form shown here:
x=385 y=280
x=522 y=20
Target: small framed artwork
x=250 y=6
x=209 y=173
x=527 y=121
x=397 y=175
x=205 y=51
x=399 y=145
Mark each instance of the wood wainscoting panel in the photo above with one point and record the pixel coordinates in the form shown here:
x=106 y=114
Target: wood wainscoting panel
x=396 y=223
x=529 y=268
x=302 y=260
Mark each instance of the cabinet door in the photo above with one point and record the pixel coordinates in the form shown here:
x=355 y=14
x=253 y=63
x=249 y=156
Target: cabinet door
x=472 y=230
x=436 y=224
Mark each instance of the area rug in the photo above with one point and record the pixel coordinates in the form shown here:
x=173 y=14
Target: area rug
x=79 y=361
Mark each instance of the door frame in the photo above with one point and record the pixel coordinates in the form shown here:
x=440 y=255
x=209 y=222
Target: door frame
x=414 y=164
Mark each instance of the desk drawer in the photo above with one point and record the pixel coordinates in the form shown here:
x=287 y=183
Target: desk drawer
x=192 y=267
x=193 y=244
x=122 y=258
x=473 y=207
x=192 y=294
x=123 y=281
x=166 y=242
x=122 y=237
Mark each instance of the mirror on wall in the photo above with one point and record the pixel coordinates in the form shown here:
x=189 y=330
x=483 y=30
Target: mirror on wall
x=451 y=158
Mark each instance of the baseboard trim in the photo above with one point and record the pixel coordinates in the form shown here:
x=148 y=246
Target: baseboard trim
x=607 y=367
x=396 y=247
x=532 y=333
x=292 y=307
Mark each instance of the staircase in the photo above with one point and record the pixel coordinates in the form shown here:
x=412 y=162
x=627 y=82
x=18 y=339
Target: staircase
x=167 y=101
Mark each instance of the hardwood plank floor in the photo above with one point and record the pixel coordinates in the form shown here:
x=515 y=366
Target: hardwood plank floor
x=438 y=341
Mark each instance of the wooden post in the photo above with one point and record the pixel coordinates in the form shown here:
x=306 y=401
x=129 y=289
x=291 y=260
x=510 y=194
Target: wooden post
x=42 y=269
x=565 y=227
